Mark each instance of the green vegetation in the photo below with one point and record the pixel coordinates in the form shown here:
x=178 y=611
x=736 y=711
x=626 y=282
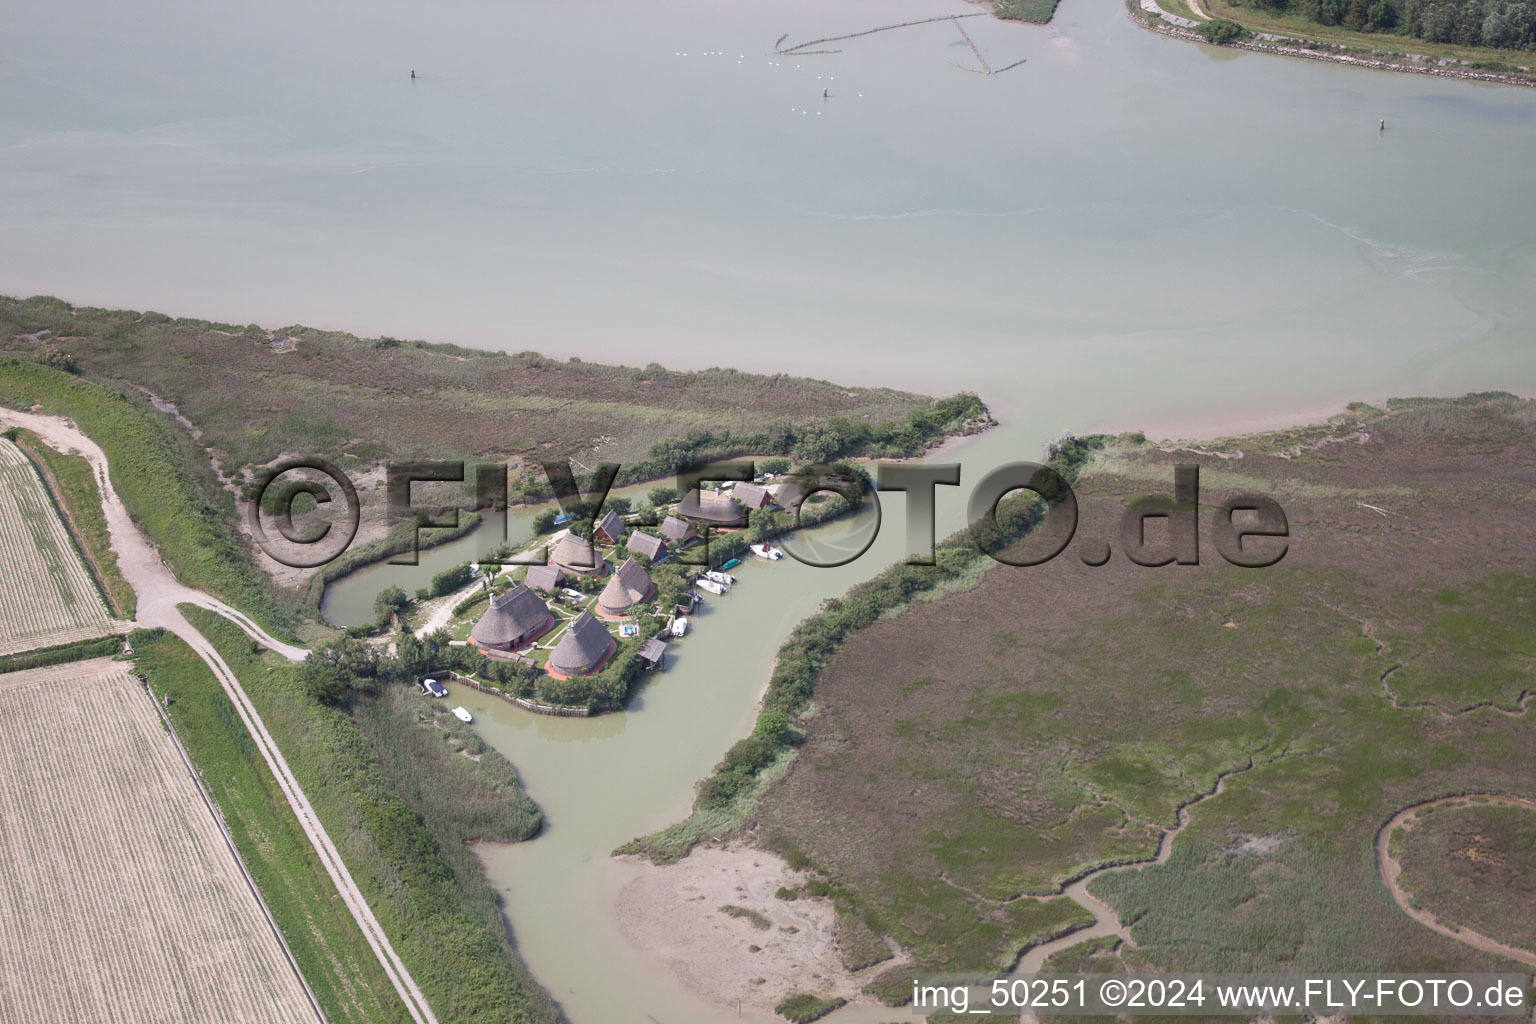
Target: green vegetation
x=330 y=949
x=1222 y=31
x=400 y=806
x=813 y=642
x=971 y=755
x=802 y=1008
x=757 y=920
x=449 y=580
x=72 y=486
x=1496 y=24
x=1410 y=33
x=257 y=394
x=150 y=471
x=390 y=601
x=79 y=650
x=1474 y=866
x=1039 y=11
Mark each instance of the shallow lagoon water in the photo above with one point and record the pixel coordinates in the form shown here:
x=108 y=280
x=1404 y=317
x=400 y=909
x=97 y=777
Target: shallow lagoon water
x=1126 y=231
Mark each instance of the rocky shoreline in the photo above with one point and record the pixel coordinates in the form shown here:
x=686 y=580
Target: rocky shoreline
x=1157 y=24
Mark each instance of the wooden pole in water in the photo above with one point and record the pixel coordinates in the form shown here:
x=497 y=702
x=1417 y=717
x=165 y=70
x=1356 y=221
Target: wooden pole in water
x=882 y=28
x=972 y=45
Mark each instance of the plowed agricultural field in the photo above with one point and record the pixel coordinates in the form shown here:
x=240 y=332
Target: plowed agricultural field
x=46 y=597
x=120 y=901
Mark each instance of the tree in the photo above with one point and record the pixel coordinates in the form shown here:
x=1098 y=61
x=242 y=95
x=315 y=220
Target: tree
x=659 y=496
x=772 y=725
x=449 y=580
x=52 y=355
x=619 y=505
x=389 y=600
x=1220 y=31
x=761 y=525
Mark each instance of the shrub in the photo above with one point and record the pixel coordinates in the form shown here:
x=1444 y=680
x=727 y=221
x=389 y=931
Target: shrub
x=802 y=1008
x=1220 y=31
x=389 y=600
x=449 y=580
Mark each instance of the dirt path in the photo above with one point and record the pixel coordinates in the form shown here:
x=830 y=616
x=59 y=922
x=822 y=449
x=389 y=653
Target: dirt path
x=1389 y=869
x=159 y=593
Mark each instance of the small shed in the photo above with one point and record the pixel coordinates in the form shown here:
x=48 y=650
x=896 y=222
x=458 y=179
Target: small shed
x=544 y=577
x=609 y=529
x=652 y=653
x=678 y=532
x=751 y=496
x=651 y=547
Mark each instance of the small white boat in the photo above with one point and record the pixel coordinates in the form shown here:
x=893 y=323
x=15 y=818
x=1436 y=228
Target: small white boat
x=767 y=551
x=463 y=715
x=679 y=626
x=720 y=577
x=710 y=586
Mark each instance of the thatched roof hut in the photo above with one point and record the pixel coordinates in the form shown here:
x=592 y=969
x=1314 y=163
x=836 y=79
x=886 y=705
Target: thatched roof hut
x=677 y=532
x=630 y=586
x=645 y=544
x=610 y=528
x=513 y=619
x=576 y=555
x=712 y=508
x=544 y=577
x=585 y=648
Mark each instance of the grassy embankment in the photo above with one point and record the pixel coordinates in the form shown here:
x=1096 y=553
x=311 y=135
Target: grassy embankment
x=402 y=787
x=1054 y=719
x=258 y=394
x=152 y=470
x=728 y=799
x=1386 y=46
x=72 y=486
x=330 y=950
x=255 y=395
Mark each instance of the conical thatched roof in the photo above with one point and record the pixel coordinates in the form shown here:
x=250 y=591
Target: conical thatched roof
x=582 y=647
x=628 y=587
x=576 y=554
x=512 y=616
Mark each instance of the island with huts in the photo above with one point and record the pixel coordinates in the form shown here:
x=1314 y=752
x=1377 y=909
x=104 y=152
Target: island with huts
x=572 y=635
